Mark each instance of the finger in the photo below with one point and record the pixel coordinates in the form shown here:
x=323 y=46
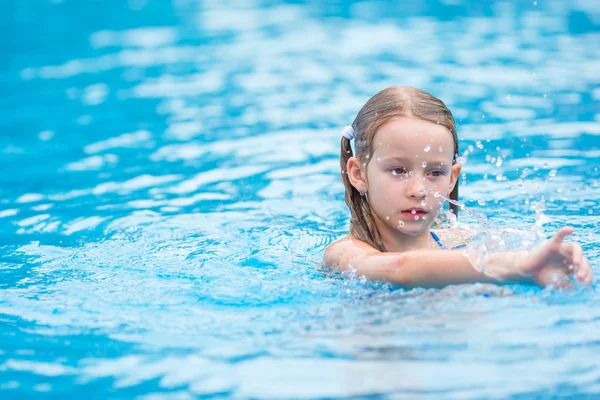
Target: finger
x=563 y=232
x=577 y=254
x=562 y=281
x=553 y=277
x=586 y=279
x=567 y=252
x=572 y=254
x=590 y=278
x=582 y=271
x=585 y=273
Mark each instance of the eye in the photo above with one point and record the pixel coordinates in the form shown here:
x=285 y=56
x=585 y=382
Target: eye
x=398 y=171
x=437 y=173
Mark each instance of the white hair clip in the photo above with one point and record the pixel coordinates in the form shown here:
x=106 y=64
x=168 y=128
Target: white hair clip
x=348 y=132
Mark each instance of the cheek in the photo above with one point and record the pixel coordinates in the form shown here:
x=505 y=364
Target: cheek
x=440 y=186
x=382 y=181
x=386 y=192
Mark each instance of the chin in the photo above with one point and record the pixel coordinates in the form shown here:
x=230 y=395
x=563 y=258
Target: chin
x=412 y=231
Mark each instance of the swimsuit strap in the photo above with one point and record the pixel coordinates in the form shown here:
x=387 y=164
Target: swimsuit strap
x=437 y=239
x=443 y=246
x=434 y=236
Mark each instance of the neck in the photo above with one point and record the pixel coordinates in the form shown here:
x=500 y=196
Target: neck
x=395 y=240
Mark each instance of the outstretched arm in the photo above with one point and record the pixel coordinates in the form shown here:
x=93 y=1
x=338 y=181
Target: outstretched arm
x=438 y=268
x=417 y=268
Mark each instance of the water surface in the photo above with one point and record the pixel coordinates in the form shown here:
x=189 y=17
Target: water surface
x=171 y=180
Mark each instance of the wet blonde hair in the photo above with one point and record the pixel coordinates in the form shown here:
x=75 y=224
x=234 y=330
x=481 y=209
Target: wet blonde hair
x=393 y=102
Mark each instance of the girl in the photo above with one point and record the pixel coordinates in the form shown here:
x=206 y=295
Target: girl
x=405 y=162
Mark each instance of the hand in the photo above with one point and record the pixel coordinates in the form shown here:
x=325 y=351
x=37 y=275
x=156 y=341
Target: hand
x=554 y=261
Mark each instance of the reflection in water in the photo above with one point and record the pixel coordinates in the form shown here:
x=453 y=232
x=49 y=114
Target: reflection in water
x=174 y=179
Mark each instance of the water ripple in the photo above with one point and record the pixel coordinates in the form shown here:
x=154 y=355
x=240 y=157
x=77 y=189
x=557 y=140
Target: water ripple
x=174 y=180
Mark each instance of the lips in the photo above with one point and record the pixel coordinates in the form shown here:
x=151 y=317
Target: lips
x=412 y=212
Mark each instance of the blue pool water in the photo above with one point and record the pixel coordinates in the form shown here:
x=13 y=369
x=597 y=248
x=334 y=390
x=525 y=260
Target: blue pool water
x=171 y=179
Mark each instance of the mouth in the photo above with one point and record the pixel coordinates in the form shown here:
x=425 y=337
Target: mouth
x=414 y=212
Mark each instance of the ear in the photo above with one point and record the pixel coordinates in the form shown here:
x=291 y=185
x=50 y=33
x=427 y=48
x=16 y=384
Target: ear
x=356 y=174
x=454 y=174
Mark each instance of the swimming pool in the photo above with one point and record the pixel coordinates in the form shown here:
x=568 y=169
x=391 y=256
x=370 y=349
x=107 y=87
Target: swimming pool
x=171 y=180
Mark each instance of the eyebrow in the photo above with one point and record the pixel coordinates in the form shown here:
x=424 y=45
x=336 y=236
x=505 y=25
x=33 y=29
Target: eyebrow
x=409 y=161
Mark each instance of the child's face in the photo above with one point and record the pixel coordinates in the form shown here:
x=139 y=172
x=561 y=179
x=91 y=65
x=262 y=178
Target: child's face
x=411 y=162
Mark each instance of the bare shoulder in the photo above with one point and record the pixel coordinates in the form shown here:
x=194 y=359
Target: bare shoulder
x=339 y=253
x=453 y=237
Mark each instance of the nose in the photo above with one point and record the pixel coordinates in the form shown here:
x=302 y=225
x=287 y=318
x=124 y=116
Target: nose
x=416 y=188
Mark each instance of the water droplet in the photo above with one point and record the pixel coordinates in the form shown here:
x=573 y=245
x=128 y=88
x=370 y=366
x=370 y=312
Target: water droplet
x=481 y=202
x=485 y=176
x=424 y=164
x=46 y=135
x=414 y=211
x=440 y=149
x=387 y=217
x=427 y=148
x=423 y=202
x=416 y=217
x=411 y=172
x=552 y=173
x=499 y=162
x=479 y=144
x=400 y=224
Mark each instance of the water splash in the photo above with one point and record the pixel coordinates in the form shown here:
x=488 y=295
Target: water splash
x=488 y=237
